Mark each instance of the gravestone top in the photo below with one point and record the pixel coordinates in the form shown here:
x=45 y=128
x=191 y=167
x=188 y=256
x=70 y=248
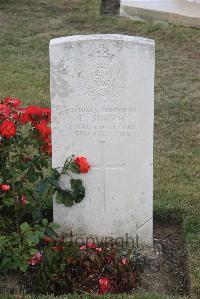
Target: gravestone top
x=115 y=37
x=102 y=93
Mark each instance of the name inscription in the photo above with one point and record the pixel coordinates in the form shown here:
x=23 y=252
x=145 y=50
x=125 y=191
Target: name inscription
x=104 y=121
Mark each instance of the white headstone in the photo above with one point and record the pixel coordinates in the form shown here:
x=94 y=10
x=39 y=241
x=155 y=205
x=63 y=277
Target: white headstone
x=102 y=92
x=182 y=12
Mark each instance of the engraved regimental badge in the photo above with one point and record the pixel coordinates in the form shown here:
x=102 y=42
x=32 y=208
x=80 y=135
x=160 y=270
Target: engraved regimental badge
x=102 y=75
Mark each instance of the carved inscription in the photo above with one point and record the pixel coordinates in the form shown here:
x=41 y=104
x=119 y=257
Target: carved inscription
x=102 y=75
x=100 y=122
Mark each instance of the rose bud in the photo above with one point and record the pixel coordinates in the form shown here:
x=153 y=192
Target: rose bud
x=24 y=200
x=5 y=187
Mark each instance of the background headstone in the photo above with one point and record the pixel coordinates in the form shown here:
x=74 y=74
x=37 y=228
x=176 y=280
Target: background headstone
x=102 y=92
x=181 y=12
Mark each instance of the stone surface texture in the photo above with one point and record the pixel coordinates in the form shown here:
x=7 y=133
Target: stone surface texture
x=102 y=93
x=182 y=12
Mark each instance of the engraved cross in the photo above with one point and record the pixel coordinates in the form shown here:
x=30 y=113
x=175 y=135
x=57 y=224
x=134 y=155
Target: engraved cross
x=103 y=167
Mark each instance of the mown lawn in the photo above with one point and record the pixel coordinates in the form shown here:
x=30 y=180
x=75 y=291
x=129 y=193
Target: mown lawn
x=27 y=27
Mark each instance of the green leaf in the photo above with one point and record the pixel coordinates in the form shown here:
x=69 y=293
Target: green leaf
x=59 y=197
x=27 y=165
x=78 y=190
x=55 y=174
x=54 y=225
x=53 y=182
x=37 y=215
x=75 y=183
x=64 y=197
x=39 y=234
x=1 y=180
x=37 y=164
x=43 y=186
x=25 y=256
x=9 y=201
x=79 y=195
x=33 y=251
x=33 y=240
x=3 y=241
x=24 y=227
x=74 y=167
x=32 y=177
x=34 y=195
x=44 y=163
x=24 y=266
x=45 y=222
x=5 y=262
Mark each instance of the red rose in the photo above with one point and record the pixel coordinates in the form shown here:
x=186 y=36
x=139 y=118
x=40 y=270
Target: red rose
x=35 y=259
x=24 y=116
x=47 y=112
x=14 y=116
x=4 y=111
x=47 y=239
x=91 y=245
x=83 y=164
x=8 y=129
x=47 y=140
x=24 y=200
x=47 y=148
x=44 y=122
x=124 y=261
x=43 y=129
x=104 y=281
x=34 y=111
x=82 y=247
x=98 y=249
x=109 y=259
x=104 y=285
x=5 y=187
x=13 y=102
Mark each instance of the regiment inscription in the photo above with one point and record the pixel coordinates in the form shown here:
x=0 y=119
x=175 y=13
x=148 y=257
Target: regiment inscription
x=105 y=121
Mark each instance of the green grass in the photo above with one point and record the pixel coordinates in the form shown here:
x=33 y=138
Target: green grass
x=27 y=27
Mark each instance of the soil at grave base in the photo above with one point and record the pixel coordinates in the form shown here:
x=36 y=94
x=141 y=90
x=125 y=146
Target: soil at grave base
x=110 y=7
x=166 y=271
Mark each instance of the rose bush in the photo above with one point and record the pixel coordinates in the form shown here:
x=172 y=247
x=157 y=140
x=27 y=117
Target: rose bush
x=27 y=182
x=24 y=154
